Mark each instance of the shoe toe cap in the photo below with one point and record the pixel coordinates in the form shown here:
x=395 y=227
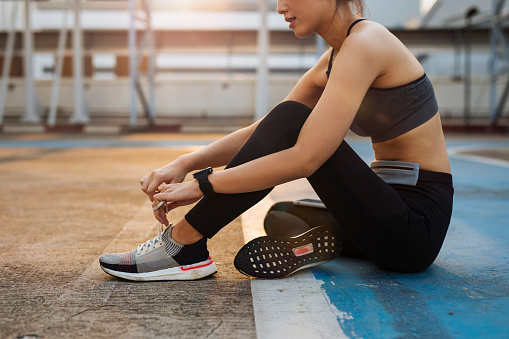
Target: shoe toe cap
x=112 y=259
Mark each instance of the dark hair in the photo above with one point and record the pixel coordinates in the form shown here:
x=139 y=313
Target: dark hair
x=357 y=4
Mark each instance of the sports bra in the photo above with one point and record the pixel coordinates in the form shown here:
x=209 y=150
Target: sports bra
x=386 y=113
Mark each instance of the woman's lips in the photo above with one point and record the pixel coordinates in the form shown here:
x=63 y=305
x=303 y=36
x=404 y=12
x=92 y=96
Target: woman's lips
x=291 y=21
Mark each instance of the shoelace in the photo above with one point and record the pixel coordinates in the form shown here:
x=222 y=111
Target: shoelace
x=159 y=238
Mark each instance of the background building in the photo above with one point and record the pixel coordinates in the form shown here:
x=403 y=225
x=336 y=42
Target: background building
x=203 y=64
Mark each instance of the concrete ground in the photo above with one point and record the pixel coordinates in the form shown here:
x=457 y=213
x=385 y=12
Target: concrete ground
x=65 y=200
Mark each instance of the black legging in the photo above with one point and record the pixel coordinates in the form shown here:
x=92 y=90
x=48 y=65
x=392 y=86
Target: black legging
x=398 y=227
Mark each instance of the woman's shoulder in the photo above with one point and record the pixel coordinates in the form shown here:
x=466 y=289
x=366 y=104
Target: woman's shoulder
x=368 y=28
x=377 y=45
x=375 y=41
x=371 y=36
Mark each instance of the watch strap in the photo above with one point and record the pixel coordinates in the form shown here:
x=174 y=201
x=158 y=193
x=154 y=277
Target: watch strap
x=203 y=180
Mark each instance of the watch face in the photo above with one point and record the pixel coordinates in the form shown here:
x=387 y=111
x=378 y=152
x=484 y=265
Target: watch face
x=205 y=171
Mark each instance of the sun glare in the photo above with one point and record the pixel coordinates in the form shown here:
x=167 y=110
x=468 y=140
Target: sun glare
x=185 y=5
x=426 y=5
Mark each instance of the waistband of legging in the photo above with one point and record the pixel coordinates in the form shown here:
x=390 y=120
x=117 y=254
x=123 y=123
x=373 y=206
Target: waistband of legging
x=440 y=177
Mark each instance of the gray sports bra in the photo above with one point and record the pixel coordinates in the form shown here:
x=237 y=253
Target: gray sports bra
x=386 y=113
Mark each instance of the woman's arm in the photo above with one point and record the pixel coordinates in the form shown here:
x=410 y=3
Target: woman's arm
x=219 y=153
x=310 y=86
x=355 y=69
x=307 y=91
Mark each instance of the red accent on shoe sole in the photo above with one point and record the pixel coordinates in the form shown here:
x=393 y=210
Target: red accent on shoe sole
x=199 y=266
x=303 y=250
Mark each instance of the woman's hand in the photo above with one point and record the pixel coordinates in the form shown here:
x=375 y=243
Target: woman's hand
x=169 y=174
x=175 y=195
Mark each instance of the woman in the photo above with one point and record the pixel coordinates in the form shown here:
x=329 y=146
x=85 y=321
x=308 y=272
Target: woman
x=395 y=213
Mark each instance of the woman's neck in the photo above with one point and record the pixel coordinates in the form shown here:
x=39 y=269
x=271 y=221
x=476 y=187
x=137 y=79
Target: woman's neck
x=335 y=32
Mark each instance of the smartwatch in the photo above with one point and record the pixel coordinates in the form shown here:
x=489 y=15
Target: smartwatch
x=203 y=180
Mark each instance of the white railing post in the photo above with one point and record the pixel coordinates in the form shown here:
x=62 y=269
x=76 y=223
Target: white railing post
x=132 y=62
x=31 y=114
x=6 y=67
x=80 y=115
x=57 y=73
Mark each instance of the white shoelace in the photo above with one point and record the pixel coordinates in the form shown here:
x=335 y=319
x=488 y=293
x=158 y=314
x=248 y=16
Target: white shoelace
x=152 y=243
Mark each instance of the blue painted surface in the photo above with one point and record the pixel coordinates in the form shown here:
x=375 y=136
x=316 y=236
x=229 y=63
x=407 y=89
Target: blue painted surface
x=93 y=143
x=469 y=278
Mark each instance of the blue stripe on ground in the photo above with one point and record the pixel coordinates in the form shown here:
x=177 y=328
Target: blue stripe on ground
x=470 y=278
x=93 y=143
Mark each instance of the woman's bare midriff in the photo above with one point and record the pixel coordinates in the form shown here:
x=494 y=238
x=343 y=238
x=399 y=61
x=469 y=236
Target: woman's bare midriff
x=424 y=145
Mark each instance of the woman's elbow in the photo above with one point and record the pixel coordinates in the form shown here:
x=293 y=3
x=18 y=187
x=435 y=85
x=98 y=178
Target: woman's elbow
x=310 y=164
x=308 y=161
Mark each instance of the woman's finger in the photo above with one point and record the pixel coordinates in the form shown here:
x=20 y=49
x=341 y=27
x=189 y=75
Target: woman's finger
x=154 y=186
x=144 y=183
x=163 y=196
x=161 y=217
x=158 y=206
x=171 y=205
x=159 y=211
x=164 y=188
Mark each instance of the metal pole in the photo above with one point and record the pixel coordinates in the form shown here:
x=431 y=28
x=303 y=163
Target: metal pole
x=457 y=54
x=30 y=111
x=468 y=73
x=262 y=83
x=503 y=101
x=501 y=38
x=132 y=61
x=505 y=47
x=151 y=63
x=80 y=115
x=499 y=6
x=497 y=37
x=493 y=64
x=57 y=75
x=6 y=67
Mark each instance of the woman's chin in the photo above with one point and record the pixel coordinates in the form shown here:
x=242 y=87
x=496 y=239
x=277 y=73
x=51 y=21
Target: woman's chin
x=302 y=34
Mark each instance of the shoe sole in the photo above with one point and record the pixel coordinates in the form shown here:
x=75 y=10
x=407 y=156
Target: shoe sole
x=187 y=272
x=272 y=257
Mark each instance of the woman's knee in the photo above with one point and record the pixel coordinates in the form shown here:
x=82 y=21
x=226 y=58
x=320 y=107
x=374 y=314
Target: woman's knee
x=281 y=206
x=290 y=114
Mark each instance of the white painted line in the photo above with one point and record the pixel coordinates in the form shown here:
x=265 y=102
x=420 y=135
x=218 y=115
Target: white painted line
x=457 y=152
x=468 y=148
x=294 y=307
x=137 y=228
x=252 y=219
x=483 y=160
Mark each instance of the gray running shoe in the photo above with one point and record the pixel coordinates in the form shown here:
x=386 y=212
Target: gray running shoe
x=161 y=258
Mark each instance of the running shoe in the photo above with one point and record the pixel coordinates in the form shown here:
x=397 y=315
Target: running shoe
x=272 y=257
x=161 y=258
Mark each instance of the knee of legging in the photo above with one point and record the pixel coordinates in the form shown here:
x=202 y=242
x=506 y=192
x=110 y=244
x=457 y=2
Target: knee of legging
x=281 y=206
x=288 y=114
x=282 y=224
